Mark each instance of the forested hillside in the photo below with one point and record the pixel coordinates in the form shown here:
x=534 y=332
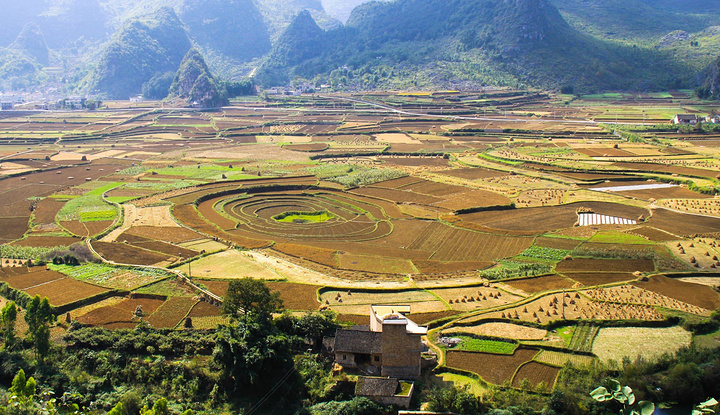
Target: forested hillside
x=146 y=46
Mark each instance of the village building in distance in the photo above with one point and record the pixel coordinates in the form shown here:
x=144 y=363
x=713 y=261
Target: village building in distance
x=389 y=349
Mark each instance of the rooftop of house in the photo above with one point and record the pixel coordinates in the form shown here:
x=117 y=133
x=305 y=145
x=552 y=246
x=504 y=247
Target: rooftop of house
x=391 y=315
x=358 y=340
x=687 y=117
x=367 y=386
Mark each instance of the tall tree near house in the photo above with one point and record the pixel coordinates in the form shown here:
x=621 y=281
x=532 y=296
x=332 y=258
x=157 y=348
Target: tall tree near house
x=248 y=296
x=38 y=317
x=8 y=316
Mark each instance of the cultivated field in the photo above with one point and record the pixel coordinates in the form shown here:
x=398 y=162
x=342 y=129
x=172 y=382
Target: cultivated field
x=523 y=232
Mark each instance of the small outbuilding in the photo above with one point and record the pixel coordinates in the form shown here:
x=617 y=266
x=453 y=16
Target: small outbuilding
x=385 y=391
x=685 y=119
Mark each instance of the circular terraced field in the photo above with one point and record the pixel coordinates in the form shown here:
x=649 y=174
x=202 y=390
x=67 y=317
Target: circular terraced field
x=318 y=216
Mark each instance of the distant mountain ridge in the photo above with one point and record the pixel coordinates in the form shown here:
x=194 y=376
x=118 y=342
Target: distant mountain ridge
x=443 y=43
x=590 y=45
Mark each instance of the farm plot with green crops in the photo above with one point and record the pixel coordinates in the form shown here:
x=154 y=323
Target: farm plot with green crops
x=545 y=253
x=212 y=172
x=472 y=344
x=90 y=207
x=162 y=185
x=583 y=336
x=104 y=275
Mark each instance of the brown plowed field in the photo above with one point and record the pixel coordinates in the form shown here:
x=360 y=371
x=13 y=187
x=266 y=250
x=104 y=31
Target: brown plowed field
x=435 y=189
x=188 y=215
x=473 y=199
x=605 y=265
x=171 y=312
x=120 y=315
x=168 y=234
x=425 y=318
x=536 y=373
x=604 y=152
x=47 y=241
x=493 y=368
x=46 y=210
x=557 y=243
x=21 y=278
x=438 y=267
x=327 y=257
x=157 y=246
x=397 y=196
x=683 y=223
x=453 y=244
x=207 y=210
x=590 y=279
x=474 y=173
x=314 y=147
x=666 y=193
x=65 y=291
x=398 y=183
x=75 y=227
x=653 y=234
x=127 y=254
x=540 y=284
x=297 y=297
x=203 y=309
x=662 y=168
x=544 y=219
x=695 y=294
x=13 y=228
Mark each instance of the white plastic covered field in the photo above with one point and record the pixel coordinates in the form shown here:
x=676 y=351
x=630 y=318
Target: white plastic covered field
x=590 y=219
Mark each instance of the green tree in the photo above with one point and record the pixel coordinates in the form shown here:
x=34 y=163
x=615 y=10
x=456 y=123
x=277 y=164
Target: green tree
x=452 y=399
x=160 y=408
x=22 y=389
x=117 y=409
x=246 y=296
x=252 y=354
x=8 y=316
x=38 y=317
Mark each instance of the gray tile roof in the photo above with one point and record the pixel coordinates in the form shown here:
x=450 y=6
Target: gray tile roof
x=358 y=341
x=376 y=386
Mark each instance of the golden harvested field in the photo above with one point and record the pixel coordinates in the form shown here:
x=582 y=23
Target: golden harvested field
x=616 y=343
x=379 y=264
x=695 y=294
x=228 y=265
x=475 y=298
x=630 y=294
x=351 y=297
x=503 y=330
x=576 y=307
x=561 y=359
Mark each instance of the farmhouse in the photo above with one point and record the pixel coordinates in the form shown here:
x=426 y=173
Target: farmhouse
x=391 y=344
x=6 y=106
x=685 y=119
x=386 y=391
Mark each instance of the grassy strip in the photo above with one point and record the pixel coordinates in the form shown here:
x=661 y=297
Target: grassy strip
x=90 y=206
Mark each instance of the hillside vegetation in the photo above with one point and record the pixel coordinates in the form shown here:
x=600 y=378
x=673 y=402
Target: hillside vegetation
x=144 y=47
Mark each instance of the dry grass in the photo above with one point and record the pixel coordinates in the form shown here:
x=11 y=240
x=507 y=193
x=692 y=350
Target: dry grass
x=561 y=359
x=475 y=298
x=619 y=342
x=503 y=330
x=229 y=264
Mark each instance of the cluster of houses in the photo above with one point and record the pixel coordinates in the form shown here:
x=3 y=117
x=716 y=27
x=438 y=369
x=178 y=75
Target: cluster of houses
x=387 y=354
x=693 y=119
